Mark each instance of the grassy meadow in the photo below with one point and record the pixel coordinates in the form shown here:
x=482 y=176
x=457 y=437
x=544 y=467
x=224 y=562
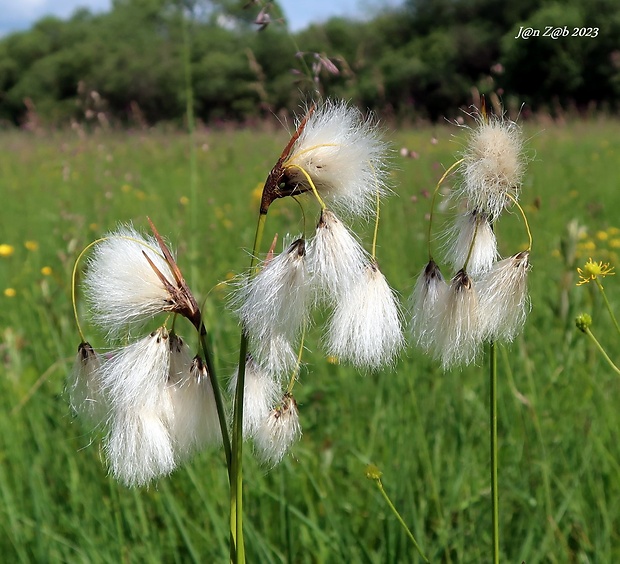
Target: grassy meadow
x=559 y=422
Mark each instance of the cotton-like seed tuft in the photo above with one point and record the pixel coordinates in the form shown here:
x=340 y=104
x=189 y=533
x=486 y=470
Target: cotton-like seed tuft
x=365 y=327
x=344 y=156
x=472 y=244
x=86 y=394
x=503 y=298
x=493 y=165
x=335 y=258
x=261 y=393
x=274 y=307
x=457 y=328
x=278 y=431
x=121 y=286
x=423 y=303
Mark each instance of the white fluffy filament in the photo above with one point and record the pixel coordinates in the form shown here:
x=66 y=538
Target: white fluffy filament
x=503 y=298
x=473 y=245
x=344 y=156
x=120 y=285
x=278 y=431
x=365 y=327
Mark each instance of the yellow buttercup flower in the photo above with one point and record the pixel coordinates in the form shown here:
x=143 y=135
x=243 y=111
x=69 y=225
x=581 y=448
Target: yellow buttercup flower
x=6 y=250
x=10 y=292
x=31 y=245
x=592 y=270
x=46 y=271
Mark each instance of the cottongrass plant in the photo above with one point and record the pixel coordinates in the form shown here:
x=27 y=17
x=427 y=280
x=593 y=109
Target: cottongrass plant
x=158 y=403
x=486 y=300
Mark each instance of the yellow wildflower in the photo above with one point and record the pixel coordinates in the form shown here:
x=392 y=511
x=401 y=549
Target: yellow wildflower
x=10 y=292
x=31 y=245
x=592 y=270
x=46 y=271
x=183 y=200
x=602 y=235
x=6 y=250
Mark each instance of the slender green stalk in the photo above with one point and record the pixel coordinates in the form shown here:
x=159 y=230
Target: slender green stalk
x=589 y=333
x=611 y=312
x=494 y=485
x=374 y=473
x=237 y=549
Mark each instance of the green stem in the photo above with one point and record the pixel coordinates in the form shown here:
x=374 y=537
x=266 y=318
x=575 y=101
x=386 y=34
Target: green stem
x=494 y=486
x=221 y=413
x=237 y=549
x=600 y=348
x=400 y=519
x=611 y=313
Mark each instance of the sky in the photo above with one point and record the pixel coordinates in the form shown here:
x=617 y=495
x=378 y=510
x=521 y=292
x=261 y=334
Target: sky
x=16 y=15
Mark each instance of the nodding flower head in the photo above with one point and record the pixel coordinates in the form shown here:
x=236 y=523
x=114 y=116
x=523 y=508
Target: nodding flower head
x=336 y=259
x=278 y=431
x=493 y=165
x=503 y=298
x=274 y=307
x=131 y=278
x=473 y=245
x=341 y=154
x=365 y=327
x=86 y=395
x=261 y=392
x=457 y=331
x=428 y=288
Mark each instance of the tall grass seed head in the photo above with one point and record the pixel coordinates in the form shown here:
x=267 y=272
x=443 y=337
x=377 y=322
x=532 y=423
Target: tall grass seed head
x=274 y=307
x=472 y=244
x=365 y=327
x=423 y=304
x=192 y=418
x=456 y=326
x=336 y=260
x=493 y=165
x=139 y=447
x=503 y=299
x=86 y=394
x=120 y=285
x=278 y=431
x=135 y=376
x=344 y=156
x=261 y=391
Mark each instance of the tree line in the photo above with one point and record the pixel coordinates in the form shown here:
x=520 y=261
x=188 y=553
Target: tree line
x=143 y=59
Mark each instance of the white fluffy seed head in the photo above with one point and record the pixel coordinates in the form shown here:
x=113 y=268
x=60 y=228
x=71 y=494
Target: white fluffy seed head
x=472 y=227
x=335 y=258
x=139 y=447
x=493 y=165
x=86 y=394
x=261 y=391
x=365 y=327
x=192 y=418
x=136 y=376
x=503 y=298
x=429 y=286
x=121 y=286
x=278 y=431
x=457 y=330
x=274 y=307
x=344 y=156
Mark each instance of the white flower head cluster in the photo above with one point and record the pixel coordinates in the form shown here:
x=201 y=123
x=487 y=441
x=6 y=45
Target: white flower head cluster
x=343 y=155
x=487 y=298
x=493 y=165
x=121 y=286
x=155 y=400
x=333 y=268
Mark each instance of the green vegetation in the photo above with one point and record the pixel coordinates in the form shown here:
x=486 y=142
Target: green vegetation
x=426 y=430
x=421 y=60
